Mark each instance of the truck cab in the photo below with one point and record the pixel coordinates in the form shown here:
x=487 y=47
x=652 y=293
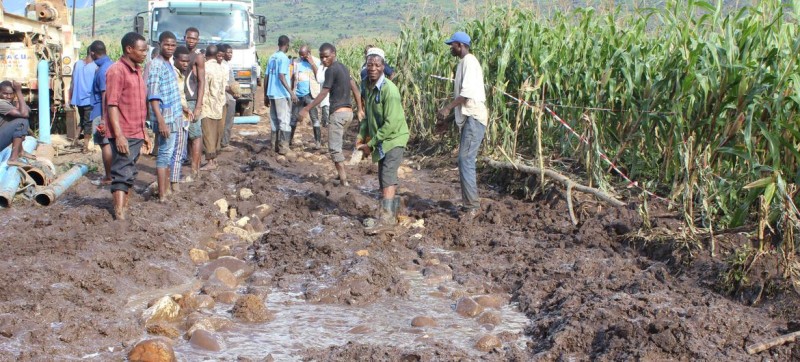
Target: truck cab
x=232 y=22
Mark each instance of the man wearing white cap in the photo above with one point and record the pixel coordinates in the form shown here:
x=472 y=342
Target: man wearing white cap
x=471 y=116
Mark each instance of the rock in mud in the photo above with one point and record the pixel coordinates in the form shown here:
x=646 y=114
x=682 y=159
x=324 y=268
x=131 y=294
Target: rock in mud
x=251 y=308
x=164 y=330
x=233 y=213
x=163 y=310
x=152 y=350
x=238 y=267
x=228 y=297
x=242 y=222
x=363 y=252
x=423 y=321
x=491 y=301
x=488 y=343
x=468 y=307
x=224 y=276
x=245 y=193
x=360 y=329
x=359 y=282
x=197 y=302
x=437 y=273
x=198 y=321
x=198 y=256
x=262 y=211
x=222 y=206
x=206 y=340
x=492 y=318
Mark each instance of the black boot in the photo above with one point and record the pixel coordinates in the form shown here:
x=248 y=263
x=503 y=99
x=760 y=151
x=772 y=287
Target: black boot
x=317 y=138
x=291 y=136
x=283 y=145
x=276 y=139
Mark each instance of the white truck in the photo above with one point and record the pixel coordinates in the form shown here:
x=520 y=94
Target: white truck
x=220 y=21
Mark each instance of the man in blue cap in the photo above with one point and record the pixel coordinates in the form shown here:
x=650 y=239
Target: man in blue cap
x=471 y=116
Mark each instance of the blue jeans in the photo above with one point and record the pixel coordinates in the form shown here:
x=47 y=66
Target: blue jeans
x=16 y=128
x=280 y=114
x=472 y=133
x=166 y=147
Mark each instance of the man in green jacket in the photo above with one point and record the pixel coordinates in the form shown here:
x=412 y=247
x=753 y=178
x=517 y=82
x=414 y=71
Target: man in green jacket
x=384 y=134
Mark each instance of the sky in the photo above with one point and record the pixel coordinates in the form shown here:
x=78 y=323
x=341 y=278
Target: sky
x=18 y=6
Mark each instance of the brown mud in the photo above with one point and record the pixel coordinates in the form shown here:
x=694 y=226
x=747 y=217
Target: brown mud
x=76 y=282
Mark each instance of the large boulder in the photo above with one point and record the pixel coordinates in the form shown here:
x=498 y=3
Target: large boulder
x=251 y=308
x=152 y=350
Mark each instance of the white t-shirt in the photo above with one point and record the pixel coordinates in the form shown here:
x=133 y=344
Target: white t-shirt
x=469 y=84
x=321 y=80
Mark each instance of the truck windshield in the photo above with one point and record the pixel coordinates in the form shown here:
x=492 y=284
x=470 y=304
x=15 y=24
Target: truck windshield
x=230 y=26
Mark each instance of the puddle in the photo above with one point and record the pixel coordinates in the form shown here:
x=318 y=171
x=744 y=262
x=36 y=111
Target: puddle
x=299 y=325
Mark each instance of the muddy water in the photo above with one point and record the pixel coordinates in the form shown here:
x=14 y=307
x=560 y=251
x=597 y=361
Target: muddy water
x=300 y=325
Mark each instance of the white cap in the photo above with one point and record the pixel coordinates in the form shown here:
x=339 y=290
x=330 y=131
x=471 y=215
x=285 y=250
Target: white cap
x=376 y=51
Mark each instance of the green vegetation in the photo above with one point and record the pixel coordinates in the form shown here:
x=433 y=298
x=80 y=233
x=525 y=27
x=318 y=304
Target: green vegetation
x=697 y=103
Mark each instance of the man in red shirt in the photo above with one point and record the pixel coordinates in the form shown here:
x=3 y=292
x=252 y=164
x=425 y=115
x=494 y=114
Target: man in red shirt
x=127 y=110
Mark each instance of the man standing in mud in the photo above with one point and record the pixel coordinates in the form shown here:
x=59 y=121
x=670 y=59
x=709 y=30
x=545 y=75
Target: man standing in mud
x=305 y=87
x=195 y=94
x=279 y=94
x=99 y=113
x=164 y=100
x=213 y=121
x=471 y=116
x=127 y=110
x=384 y=134
x=338 y=84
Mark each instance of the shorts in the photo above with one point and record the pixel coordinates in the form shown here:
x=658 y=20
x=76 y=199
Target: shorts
x=388 y=166
x=196 y=127
x=84 y=113
x=338 y=125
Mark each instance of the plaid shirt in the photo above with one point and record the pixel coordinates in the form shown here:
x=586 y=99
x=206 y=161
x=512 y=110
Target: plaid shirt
x=125 y=90
x=162 y=85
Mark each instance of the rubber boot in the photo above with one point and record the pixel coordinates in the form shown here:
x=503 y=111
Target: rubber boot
x=291 y=136
x=283 y=145
x=317 y=138
x=276 y=139
x=387 y=218
x=396 y=206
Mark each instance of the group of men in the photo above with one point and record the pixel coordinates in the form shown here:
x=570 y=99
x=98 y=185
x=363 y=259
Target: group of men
x=185 y=93
x=383 y=129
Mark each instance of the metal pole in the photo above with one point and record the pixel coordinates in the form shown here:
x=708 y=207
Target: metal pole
x=93 y=11
x=73 y=13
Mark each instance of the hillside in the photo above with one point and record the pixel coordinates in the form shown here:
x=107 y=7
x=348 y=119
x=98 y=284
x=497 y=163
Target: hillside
x=317 y=21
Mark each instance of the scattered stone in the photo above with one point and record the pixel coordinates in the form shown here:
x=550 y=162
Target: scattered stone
x=261 y=292
x=245 y=193
x=432 y=262
x=227 y=297
x=243 y=221
x=360 y=329
x=423 y=321
x=220 y=252
x=281 y=159
x=251 y=308
x=238 y=267
x=262 y=211
x=403 y=172
x=222 y=205
x=419 y=224
x=443 y=289
x=199 y=321
x=197 y=302
x=458 y=294
x=488 y=343
x=437 y=273
x=489 y=317
x=232 y=213
x=369 y=222
x=163 y=310
x=224 y=276
x=491 y=301
x=152 y=350
x=162 y=329
x=468 y=307
x=363 y=252
x=203 y=339
x=198 y=256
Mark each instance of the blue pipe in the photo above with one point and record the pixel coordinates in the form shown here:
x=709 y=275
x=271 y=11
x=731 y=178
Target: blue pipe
x=44 y=101
x=46 y=196
x=246 y=120
x=10 y=177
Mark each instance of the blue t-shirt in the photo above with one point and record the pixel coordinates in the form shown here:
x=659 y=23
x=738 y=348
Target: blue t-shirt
x=99 y=85
x=303 y=73
x=82 y=80
x=278 y=64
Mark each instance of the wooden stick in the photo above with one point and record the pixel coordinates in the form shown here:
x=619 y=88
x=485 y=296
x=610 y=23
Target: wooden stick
x=777 y=341
x=569 y=204
x=558 y=177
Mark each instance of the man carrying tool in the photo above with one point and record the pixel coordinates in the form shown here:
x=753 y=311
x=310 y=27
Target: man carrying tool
x=384 y=134
x=471 y=116
x=338 y=84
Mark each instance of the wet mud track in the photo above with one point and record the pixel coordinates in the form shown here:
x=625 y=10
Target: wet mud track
x=302 y=281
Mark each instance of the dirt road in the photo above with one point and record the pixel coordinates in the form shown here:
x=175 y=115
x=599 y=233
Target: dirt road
x=519 y=283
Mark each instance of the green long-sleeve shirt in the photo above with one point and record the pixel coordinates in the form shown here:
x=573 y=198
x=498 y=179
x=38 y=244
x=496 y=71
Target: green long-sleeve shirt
x=385 y=121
